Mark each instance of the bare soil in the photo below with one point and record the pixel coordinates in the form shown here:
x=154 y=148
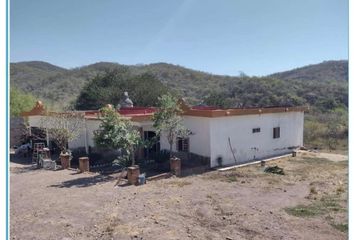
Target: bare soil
x=244 y=203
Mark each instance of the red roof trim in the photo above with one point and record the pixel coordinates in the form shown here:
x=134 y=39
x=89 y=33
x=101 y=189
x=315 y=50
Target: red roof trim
x=145 y=113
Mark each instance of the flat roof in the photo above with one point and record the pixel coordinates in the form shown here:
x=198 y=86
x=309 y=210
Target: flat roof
x=145 y=113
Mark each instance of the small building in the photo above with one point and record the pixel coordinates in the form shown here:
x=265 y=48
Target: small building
x=224 y=136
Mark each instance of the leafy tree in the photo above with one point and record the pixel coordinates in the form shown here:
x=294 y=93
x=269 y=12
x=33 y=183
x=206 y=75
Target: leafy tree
x=143 y=89
x=117 y=132
x=217 y=99
x=168 y=120
x=333 y=129
x=20 y=102
x=63 y=127
x=313 y=130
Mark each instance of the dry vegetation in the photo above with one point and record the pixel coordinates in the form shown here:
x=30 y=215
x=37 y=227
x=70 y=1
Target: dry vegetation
x=308 y=202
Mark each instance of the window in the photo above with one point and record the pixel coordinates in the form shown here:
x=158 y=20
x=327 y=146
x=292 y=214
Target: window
x=276 y=132
x=183 y=144
x=256 y=130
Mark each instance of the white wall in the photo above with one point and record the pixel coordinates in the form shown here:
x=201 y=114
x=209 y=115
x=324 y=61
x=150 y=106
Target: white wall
x=80 y=140
x=92 y=125
x=35 y=121
x=210 y=135
x=199 y=141
x=239 y=129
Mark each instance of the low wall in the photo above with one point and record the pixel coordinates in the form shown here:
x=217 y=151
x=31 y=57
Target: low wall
x=190 y=160
x=194 y=170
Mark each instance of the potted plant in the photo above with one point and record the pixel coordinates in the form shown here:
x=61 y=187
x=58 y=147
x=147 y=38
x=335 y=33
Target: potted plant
x=117 y=132
x=167 y=121
x=63 y=128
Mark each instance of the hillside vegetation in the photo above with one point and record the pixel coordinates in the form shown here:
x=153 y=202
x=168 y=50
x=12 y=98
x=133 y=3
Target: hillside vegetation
x=20 y=102
x=323 y=86
x=41 y=78
x=325 y=71
x=109 y=86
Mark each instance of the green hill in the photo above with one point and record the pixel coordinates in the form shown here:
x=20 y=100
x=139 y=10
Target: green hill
x=58 y=86
x=325 y=71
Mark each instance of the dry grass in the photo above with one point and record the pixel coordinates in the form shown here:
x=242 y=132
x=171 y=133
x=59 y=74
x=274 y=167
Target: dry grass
x=313 y=190
x=325 y=205
x=179 y=183
x=340 y=189
x=343 y=227
x=214 y=205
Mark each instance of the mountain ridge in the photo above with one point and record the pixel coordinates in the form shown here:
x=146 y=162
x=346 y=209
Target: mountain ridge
x=40 y=78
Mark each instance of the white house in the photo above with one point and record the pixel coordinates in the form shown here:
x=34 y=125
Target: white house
x=230 y=135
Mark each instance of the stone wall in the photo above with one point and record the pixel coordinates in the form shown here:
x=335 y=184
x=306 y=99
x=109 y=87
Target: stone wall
x=17 y=130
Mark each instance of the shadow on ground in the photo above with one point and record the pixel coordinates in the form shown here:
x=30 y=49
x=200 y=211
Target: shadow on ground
x=84 y=181
x=17 y=170
x=20 y=159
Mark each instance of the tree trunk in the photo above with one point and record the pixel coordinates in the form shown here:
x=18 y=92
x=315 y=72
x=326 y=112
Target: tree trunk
x=132 y=155
x=171 y=150
x=63 y=150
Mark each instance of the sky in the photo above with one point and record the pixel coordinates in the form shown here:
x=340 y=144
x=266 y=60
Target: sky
x=255 y=37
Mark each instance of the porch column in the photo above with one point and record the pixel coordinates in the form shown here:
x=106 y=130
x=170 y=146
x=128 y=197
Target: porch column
x=47 y=136
x=141 y=149
x=85 y=133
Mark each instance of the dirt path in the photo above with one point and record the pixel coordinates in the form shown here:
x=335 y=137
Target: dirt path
x=241 y=204
x=330 y=156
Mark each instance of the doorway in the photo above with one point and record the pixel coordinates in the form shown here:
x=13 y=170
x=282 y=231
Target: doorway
x=150 y=153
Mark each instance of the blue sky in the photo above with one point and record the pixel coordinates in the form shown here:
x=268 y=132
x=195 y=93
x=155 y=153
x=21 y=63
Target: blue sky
x=218 y=36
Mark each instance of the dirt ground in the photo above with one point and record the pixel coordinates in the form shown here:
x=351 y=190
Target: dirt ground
x=308 y=202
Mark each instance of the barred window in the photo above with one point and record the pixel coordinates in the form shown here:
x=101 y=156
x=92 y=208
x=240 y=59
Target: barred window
x=183 y=144
x=256 y=130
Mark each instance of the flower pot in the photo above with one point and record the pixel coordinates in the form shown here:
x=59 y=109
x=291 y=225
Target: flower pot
x=133 y=174
x=175 y=166
x=65 y=160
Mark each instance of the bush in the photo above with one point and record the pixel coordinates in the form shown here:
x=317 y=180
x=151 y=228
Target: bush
x=108 y=88
x=162 y=156
x=20 y=102
x=274 y=169
x=122 y=161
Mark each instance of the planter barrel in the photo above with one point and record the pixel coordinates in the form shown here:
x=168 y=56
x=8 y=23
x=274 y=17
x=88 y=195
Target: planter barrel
x=84 y=164
x=65 y=161
x=133 y=174
x=175 y=166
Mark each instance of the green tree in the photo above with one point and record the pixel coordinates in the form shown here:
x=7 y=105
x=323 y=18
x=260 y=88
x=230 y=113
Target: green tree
x=218 y=99
x=117 y=132
x=143 y=89
x=168 y=120
x=20 y=102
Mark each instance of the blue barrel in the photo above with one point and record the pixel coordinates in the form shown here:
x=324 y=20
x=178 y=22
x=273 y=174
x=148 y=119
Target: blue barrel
x=142 y=179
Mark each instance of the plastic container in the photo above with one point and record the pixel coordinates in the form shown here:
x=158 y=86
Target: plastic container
x=142 y=179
